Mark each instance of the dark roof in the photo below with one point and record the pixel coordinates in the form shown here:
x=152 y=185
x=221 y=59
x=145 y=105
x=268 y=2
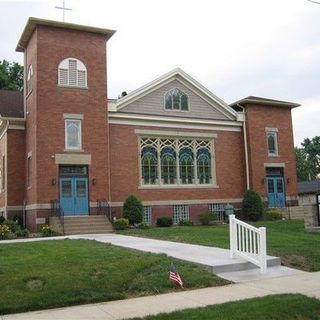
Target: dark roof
x=11 y=104
x=265 y=101
x=309 y=186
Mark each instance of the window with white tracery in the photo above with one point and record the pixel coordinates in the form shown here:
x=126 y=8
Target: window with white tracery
x=169 y=161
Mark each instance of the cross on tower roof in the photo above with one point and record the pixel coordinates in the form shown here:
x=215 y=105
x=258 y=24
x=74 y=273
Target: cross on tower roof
x=63 y=8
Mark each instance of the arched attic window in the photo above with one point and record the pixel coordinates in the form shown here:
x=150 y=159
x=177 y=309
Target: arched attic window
x=29 y=79
x=72 y=72
x=175 y=99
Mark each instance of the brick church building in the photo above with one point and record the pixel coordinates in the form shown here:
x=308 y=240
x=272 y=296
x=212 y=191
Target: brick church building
x=172 y=143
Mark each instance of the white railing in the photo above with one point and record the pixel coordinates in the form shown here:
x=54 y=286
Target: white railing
x=248 y=242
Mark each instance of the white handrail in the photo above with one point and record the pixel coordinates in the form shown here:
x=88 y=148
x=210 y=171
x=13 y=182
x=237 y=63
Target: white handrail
x=248 y=242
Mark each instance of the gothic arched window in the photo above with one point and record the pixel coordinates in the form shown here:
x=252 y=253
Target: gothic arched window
x=175 y=99
x=204 y=166
x=149 y=165
x=168 y=166
x=186 y=166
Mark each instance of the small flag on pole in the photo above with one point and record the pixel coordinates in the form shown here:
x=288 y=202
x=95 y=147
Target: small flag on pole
x=174 y=276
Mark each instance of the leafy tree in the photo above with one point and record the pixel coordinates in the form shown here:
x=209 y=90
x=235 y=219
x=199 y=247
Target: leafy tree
x=305 y=170
x=11 y=75
x=133 y=210
x=308 y=159
x=252 y=205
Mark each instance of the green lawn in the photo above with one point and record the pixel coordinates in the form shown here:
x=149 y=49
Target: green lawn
x=285 y=239
x=279 y=307
x=49 y=274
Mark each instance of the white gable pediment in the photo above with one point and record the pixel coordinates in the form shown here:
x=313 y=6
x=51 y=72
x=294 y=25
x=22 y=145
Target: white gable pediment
x=150 y=99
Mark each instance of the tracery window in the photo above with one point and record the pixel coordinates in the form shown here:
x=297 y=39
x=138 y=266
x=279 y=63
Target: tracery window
x=176 y=161
x=175 y=99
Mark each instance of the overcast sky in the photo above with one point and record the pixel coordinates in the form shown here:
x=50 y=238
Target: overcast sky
x=236 y=48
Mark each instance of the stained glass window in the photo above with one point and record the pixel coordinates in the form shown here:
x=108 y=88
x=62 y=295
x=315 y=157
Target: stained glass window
x=73 y=134
x=168 y=165
x=272 y=143
x=186 y=166
x=175 y=99
x=204 y=166
x=149 y=164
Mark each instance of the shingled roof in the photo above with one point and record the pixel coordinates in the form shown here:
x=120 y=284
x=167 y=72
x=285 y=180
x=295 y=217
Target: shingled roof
x=11 y=104
x=309 y=186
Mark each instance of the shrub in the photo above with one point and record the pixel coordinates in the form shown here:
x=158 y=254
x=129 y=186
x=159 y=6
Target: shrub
x=252 y=205
x=2 y=219
x=13 y=226
x=273 y=214
x=164 y=222
x=143 y=225
x=185 y=223
x=208 y=218
x=4 y=232
x=133 y=209
x=121 y=224
x=18 y=219
x=47 y=231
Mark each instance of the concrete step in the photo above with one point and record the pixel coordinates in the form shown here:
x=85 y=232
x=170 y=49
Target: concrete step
x=255 y=275
x=84 y=224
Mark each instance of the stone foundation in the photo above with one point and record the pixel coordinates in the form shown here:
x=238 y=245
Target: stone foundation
x=311 y=219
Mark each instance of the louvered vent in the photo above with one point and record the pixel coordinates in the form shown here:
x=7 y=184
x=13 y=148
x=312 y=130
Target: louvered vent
x=72 y=72
x=82 y=78
x=63 y=77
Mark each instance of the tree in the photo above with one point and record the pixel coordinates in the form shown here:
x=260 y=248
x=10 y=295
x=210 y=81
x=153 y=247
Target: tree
x=252 y=205
x=308 y=159
x=305 y=171
x=133 y=210
x=11 y=75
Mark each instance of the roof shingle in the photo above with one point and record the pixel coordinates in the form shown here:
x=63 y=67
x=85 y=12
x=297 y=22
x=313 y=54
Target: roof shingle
x=11 y=104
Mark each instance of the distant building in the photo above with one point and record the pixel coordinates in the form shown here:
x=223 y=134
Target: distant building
x=307 y=191
x=173 y=143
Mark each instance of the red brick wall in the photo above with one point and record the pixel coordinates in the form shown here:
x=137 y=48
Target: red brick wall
x=16 y=167
x=125 y=171
x=46 y=125
x=258 y=118
x=3 y=193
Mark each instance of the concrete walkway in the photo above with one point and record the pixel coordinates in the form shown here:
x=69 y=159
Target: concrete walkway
x=306 y=283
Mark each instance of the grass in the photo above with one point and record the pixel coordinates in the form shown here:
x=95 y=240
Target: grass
x=278 y=307
x=50 y=274
x=285 y=239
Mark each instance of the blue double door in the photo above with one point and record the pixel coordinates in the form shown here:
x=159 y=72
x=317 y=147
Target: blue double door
x=276 y=194
x=74 y=195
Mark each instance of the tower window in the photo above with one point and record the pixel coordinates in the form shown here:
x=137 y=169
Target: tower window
x=73 y=73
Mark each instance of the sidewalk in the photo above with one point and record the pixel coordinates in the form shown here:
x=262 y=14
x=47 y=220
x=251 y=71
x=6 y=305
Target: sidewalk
x=306 y=283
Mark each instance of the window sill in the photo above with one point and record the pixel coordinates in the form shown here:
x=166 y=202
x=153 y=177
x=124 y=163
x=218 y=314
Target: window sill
x=72 y=87
x=73 y=150
x=273 y=155
x=179 y=186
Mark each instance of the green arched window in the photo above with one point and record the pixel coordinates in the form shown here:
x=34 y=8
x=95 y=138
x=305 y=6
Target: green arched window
x=186 y=166
x=204 y=166
x=149 y=164
x=168 y=166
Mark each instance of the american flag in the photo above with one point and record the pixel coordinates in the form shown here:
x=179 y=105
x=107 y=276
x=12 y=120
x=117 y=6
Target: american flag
x=174 y=276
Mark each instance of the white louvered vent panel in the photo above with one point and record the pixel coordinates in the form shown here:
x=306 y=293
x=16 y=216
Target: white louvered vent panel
x=82 y=78
x=63 y=77
x=72 y=72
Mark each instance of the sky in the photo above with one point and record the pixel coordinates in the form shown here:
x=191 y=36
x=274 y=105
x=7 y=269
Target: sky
x=235 y=48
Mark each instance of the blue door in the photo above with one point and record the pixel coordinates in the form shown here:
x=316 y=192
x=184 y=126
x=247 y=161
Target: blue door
x=276 y=196
x=74 y=196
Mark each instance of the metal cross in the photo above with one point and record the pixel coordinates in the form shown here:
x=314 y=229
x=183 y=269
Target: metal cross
x=63 y=8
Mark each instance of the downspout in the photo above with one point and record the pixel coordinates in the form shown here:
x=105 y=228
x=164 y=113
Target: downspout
x=245 y=147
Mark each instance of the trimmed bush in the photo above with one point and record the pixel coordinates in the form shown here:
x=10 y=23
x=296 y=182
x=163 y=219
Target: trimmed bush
x=13 y=226
x=164 y=222
x=273 y=214
x=143 y=225
x=133 y=210
x=121 y=224
x=208 y=218
x=252 y=205
x=2 y=219
x=47 y=231
x=185 y=223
